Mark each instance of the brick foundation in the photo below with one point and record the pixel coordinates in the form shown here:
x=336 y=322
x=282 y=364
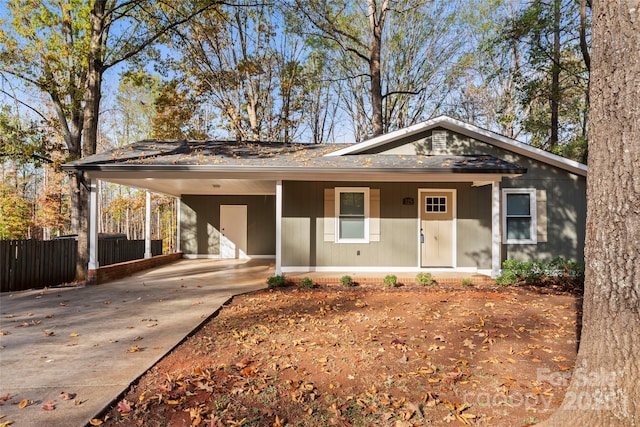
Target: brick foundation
x=124 y=269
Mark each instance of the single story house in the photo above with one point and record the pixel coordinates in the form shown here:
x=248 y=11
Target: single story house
x=442 y=195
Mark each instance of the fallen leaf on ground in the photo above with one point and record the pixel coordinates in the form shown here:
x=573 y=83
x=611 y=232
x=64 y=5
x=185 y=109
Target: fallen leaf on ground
x=134 y=349
x=24 y=403
x=6 y=423
x=124 y=406
x=5 y=397
x=95 y=422
x=74 y=334
x=48 y=407
x=67 y=396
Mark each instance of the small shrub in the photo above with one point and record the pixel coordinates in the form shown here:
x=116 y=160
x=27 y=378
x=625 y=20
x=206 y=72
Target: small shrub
x=507 y=278
x=467 y=282
x=276 y=281
x=307 y=283
x=390 y=281
x=424 y=279
x=347 y=281
x=558 y=271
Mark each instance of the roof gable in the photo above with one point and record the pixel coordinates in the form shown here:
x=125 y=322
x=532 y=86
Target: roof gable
x=468 y=130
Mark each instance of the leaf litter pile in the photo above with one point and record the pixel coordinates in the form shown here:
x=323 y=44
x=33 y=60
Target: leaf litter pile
x=336 y=356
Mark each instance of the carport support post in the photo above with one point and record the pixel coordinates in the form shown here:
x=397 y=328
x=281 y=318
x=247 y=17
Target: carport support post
x=278 y=227
x=178 y=219
x=147 y=225
x=496 y=244
x=92 y=267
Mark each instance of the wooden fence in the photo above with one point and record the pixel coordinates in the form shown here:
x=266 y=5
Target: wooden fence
x=28 y=264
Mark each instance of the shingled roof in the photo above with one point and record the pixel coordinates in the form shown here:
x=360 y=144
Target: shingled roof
x=233 y=155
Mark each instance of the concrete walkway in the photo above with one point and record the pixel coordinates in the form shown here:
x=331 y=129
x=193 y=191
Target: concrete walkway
x=94 y=341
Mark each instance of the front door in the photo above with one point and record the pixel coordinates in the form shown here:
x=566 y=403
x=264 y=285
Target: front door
x=437 y=213
x=233 y=231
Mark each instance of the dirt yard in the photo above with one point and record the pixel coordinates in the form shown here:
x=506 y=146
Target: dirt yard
x=363 y=356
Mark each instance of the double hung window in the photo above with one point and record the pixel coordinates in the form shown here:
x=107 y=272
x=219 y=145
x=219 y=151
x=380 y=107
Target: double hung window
x=519 y=215
x=352 y=215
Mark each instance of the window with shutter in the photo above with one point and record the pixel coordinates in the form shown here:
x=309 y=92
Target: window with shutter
x=519 y=216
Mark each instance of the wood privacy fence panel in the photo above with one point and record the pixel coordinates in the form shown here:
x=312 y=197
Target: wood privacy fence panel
x=30 y=264
x=115 y=251
x=27 y=264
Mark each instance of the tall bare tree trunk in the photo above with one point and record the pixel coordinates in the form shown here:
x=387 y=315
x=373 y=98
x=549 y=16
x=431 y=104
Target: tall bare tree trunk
x=376 y=24
x=90 y=129
x=555 y=78
x=605 y=387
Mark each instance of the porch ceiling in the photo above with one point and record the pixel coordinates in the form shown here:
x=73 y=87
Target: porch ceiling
x=198 y=186
x=261 y=184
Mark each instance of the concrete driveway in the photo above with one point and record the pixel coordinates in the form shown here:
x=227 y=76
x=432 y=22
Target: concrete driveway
x=92 y=342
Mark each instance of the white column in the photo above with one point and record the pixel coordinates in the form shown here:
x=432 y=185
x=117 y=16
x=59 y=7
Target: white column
x=496 y=237
x=93 y=225
x=279 y=227
x=178 y=206
x=147 y=226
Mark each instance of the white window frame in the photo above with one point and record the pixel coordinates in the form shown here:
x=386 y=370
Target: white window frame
x=338 y=191
x=532 y=211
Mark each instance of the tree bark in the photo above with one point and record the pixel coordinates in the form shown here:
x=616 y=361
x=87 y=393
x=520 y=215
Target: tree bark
x=89 y=131
x=605 y=386
x=555 y=78
x=376 y=24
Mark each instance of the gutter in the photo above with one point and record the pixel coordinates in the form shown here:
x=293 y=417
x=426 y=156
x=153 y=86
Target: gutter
x=250 y=169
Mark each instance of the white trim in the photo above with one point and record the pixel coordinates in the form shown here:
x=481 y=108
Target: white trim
x=213 y=256
x=278 y=227
x=178 y=223
x=93 y=225
x=378 y=269
x=496 y=238
x=472 y=131
x=147 y=225
x=454 y=221
x=532 y=213
x=366 y=191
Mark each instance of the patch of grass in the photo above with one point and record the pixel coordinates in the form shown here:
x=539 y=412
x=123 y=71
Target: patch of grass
x=307 y=283
x=276 y=281
x=347 y=281
x=424 y=279
x=467 y=282
x=390 y=281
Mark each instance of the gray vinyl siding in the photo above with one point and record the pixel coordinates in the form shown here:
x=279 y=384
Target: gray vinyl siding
x=566 y=195
x=566 y=219
x=303 y=227
x=200 y=223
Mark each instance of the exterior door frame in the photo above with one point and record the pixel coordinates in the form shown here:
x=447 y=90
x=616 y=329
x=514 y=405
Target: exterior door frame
x=422 y=192
x=240 y=214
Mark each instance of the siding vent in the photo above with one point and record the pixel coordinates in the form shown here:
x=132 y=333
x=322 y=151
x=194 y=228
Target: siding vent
x=439 y=141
